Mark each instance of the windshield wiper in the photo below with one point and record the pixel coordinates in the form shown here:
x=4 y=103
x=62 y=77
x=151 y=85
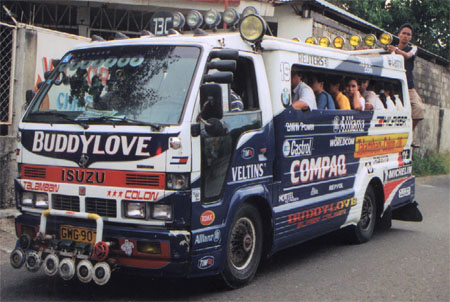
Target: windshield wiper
x=123 y=119
x=61 y=115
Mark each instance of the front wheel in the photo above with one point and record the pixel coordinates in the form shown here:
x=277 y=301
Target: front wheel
x=363 y=231
x=244 y=247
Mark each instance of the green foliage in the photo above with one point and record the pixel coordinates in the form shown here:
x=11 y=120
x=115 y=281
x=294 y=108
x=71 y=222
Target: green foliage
x=429 y=18
x=431 y=164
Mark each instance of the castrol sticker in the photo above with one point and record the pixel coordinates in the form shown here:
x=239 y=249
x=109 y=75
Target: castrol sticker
x=207 y=217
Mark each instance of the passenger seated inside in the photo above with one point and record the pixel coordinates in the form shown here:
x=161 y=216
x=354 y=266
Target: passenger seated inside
x=334 y=85
x=352 y=91
x=302 y=95
x=323 y=98
x=373 y=102
x=385 y=97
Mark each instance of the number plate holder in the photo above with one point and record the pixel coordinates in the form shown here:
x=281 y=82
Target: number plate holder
x=78 y=234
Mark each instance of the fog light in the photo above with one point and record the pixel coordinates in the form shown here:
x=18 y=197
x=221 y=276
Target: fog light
x=230 y=17
x=355 y=40
x=212 y=18
x=149 y=247
x=385 y=39
x=253 y=28
x=178 y=21
x=194 y=19
x=370 y=40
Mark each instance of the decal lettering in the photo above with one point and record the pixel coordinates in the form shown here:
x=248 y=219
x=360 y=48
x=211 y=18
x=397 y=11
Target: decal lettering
x=336 y=186
x=347 y=124
x=250 y=171
x=341 y=141
x=287 y=197
x=41 y=186
x=322 y=213
x=203 y=238
x=313 y=60
x=311 y=169
x=296 y=127
x=390 y=121
x=82 y=176
x=297 y=147
x=398 y=173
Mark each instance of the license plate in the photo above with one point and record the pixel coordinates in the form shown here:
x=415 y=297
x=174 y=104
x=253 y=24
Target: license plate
x=77 y=234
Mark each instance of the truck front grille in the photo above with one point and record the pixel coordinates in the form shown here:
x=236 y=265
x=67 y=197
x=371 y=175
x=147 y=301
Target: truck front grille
x=66 y=202
x=102 y=207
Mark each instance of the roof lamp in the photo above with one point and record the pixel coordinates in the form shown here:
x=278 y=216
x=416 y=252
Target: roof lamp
x=249 y=10
x=178 y=20
x=324 y=42
x=194 y=19
x=355 y=40
x=253 y=28
x=338 y=42
x=385 y=39
x=296 y=39
x=311 y=40
x=370 y=40
x=230 y=17
x=212 y=18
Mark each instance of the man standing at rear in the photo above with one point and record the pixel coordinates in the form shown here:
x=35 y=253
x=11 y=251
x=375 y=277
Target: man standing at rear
x=409 y=53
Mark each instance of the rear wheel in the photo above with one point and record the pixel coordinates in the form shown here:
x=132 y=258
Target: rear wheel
x=363 y=231
x=244 y=247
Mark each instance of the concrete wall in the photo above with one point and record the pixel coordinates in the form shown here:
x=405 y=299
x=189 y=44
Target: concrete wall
x=24 y=71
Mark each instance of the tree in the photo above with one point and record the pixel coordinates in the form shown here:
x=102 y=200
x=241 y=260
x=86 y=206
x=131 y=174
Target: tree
x=429 y=18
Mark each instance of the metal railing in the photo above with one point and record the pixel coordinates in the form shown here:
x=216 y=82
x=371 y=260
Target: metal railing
x=7 y=42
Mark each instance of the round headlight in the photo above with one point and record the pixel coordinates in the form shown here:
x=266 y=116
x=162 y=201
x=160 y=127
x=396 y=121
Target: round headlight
x=178 y=21
x=338 y=42
x=311 y=40
x=324 y=42
x=194 y=19
x=385 y=39
x=355 y=40
x=370 y=40
x=212 y=18
x=230 y=17
x=249 y=10
x=253 y=28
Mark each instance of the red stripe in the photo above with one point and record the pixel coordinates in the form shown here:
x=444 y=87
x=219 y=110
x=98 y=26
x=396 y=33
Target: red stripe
x=391 y=186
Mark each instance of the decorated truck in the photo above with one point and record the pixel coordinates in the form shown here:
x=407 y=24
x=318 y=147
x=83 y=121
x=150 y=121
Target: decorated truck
x=182 y=155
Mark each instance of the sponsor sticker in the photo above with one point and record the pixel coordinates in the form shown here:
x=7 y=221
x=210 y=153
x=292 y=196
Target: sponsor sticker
x=297 y=147
x=342 y=141
x=347 y=123
x=208 y=238
x=127 y=247
x=251 y=171
x=287 y=197
x=179 y=160
x=322 y=213
x=298 y=127
x=207 y=217
x=403 y=192
x=319 y=168
x=247 y=153
x=379 y=144
x=134 y=194
x=205 y=262
x=41 y=186
x=313 y=60
x=397 y=173
x=286 y=98
x=391 y=121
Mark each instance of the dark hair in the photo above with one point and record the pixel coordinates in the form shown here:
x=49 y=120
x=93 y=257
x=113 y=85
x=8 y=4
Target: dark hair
x=406 y=25
x=348 y=79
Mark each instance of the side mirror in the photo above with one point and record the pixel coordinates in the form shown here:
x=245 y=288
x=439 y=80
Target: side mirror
x=47 y=74
x=211 y=101
x=29 y=95
x=223 y=65
x=223 y=77
x=225 y=54
x=55 y=62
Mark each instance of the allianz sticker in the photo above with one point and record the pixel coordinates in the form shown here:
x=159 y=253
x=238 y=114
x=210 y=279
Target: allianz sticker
x=208 y=238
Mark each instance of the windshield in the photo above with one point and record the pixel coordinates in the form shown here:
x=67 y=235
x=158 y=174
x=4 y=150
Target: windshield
x=147 y=84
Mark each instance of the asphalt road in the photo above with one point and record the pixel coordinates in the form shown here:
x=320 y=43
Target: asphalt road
x=409 y=262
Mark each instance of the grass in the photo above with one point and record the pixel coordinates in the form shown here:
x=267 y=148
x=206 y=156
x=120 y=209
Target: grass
x=431 y=164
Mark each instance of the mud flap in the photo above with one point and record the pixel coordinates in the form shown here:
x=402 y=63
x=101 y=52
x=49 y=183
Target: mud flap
x=409 y=212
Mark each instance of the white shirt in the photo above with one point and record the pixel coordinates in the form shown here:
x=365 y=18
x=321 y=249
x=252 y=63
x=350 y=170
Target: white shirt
x=304 y=93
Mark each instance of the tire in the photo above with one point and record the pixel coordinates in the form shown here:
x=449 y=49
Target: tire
x=363 y=231
x=244 y=247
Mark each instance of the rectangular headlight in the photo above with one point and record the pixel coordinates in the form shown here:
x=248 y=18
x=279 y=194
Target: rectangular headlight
x=27 y=199
x=177 y=181
x=162 y=212
x=136 y=210
x=41 y=200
